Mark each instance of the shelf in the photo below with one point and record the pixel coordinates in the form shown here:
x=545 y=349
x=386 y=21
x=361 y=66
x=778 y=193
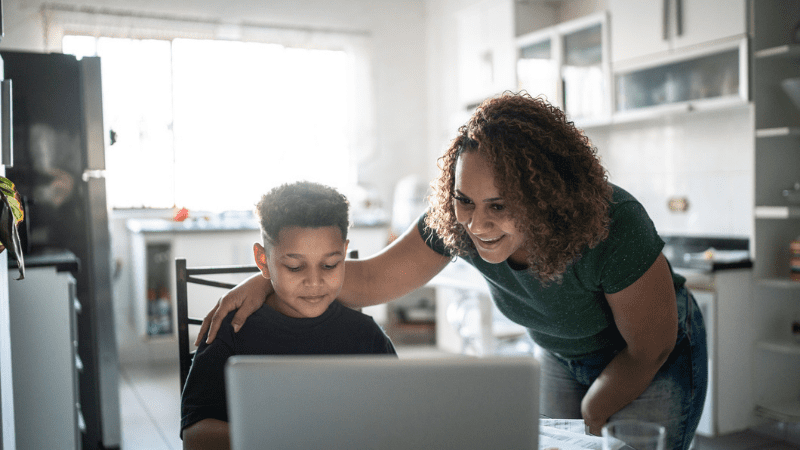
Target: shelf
x=585 y=123
x=777 y=132
x=781 y=51
x=784 y=346
x=783 y=412
x=659 y=112
x=777 y=212
x=780 y=283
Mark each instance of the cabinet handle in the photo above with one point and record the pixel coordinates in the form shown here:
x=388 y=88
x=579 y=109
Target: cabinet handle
x=7 y=125
x=679 y=17
x=665 y=20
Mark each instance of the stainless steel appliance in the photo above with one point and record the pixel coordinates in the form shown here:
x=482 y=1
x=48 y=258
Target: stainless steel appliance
x=59 y=164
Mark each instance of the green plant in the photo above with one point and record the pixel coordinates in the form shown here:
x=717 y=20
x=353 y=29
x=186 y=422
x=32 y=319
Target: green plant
x=10 y=216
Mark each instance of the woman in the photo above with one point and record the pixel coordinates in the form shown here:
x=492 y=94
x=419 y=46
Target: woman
x=523 y=198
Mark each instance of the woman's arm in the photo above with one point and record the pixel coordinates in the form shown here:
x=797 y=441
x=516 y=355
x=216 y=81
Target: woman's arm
x=404 y=265
x=647 y=317
x=207 y=434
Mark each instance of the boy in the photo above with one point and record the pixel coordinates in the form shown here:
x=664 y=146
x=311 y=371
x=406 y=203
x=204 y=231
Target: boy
x=304 y=232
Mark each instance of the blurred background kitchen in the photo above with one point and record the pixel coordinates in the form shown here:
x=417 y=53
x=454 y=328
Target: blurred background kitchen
x=160 y=148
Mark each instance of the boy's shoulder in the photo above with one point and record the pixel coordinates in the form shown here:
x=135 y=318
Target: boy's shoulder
x=353 y=315
x=356 y=321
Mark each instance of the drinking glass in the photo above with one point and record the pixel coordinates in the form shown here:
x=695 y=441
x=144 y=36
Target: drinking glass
x=633 y=434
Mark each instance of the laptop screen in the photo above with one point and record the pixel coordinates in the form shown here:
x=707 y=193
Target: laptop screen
x=378 y=402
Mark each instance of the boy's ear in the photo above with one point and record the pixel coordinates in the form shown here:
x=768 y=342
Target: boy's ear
x=261 y=259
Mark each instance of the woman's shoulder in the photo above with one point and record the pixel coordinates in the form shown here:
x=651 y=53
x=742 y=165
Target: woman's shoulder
x=620 y=196
x=627 y=211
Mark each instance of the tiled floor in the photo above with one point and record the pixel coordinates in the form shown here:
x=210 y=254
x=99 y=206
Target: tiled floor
x=150 y=399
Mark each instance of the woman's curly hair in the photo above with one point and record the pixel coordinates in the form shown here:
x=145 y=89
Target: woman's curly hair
x=547 y=172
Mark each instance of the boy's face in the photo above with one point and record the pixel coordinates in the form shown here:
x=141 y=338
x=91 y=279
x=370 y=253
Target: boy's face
x=306 y=269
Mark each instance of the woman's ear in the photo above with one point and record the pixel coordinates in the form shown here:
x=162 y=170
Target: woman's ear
x=261 y=259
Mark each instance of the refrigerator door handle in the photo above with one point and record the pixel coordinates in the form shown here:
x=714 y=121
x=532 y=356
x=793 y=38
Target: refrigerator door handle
x=7 y=125
x=89 y=173
x=93 y=112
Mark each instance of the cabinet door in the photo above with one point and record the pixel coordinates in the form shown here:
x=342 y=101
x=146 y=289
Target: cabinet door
x=637 y=28
x=538 y=66
x=707 y=20
x=486 y=52
x=642 y=28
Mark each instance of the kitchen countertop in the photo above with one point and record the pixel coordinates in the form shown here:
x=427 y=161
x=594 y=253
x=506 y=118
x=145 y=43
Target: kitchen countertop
x=706 y=254
x=62 y=260
x=211 y=223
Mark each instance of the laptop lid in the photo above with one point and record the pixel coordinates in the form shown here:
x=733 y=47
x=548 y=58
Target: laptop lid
x=374 y=402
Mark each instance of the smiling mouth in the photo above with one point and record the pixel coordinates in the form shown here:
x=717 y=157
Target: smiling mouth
x=488 y=243
x=313 y=298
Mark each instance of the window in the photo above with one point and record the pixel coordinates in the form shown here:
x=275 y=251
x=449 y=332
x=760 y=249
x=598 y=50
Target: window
x=211 y=125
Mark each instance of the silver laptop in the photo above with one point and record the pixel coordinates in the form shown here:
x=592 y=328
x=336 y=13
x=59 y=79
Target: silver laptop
x=375 y=402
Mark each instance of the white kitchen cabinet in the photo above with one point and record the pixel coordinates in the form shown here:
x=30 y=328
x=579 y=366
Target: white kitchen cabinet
x=646 y=28
x=637 y=29
x=539 y=65
x=486 y=57
x=568 y=64
x=710 y=77
x=45 y=361
x=724 y=297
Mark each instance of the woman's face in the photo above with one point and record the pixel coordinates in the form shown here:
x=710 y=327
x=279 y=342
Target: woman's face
x=483 y=212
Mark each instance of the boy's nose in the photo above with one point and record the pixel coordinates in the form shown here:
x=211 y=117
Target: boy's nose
x=315 y=278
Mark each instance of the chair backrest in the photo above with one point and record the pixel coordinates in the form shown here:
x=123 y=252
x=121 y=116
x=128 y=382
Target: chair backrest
x=185 y=275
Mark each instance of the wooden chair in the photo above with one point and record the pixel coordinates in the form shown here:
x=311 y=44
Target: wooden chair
x=185 y=275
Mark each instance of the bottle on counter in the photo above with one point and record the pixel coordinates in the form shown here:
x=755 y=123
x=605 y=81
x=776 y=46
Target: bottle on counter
x=164 y=311
x=152 y=312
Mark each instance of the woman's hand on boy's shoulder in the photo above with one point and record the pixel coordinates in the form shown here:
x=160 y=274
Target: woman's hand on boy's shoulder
x=246 y=298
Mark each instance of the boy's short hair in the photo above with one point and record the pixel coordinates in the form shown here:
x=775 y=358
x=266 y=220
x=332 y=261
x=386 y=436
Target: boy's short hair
x=301 y=204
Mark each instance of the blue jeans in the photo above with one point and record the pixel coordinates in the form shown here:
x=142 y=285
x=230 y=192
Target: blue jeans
x=674 y=399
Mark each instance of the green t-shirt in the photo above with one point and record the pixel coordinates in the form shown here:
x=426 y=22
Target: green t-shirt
x=573 y=318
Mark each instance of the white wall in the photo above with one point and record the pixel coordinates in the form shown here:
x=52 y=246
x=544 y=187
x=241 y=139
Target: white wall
x=705 y=157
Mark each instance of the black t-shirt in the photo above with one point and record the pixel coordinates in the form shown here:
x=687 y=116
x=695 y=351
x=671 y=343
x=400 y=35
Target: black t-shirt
x=338 y=331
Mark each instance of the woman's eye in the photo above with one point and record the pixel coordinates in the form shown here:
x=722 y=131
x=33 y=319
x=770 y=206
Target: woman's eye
x=497 y=207
x=330 y=266
x=294 y=269
x=463 y=200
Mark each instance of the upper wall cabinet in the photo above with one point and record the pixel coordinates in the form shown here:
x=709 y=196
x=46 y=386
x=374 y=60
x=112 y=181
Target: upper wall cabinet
x=485 y=50
x=709 y=77
x=568 y=64
x=645 y=28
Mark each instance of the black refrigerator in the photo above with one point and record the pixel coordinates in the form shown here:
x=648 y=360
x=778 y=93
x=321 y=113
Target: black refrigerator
x=58 y=168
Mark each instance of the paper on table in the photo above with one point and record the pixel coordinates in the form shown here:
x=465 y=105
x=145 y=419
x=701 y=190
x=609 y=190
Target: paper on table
x=566 y=434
